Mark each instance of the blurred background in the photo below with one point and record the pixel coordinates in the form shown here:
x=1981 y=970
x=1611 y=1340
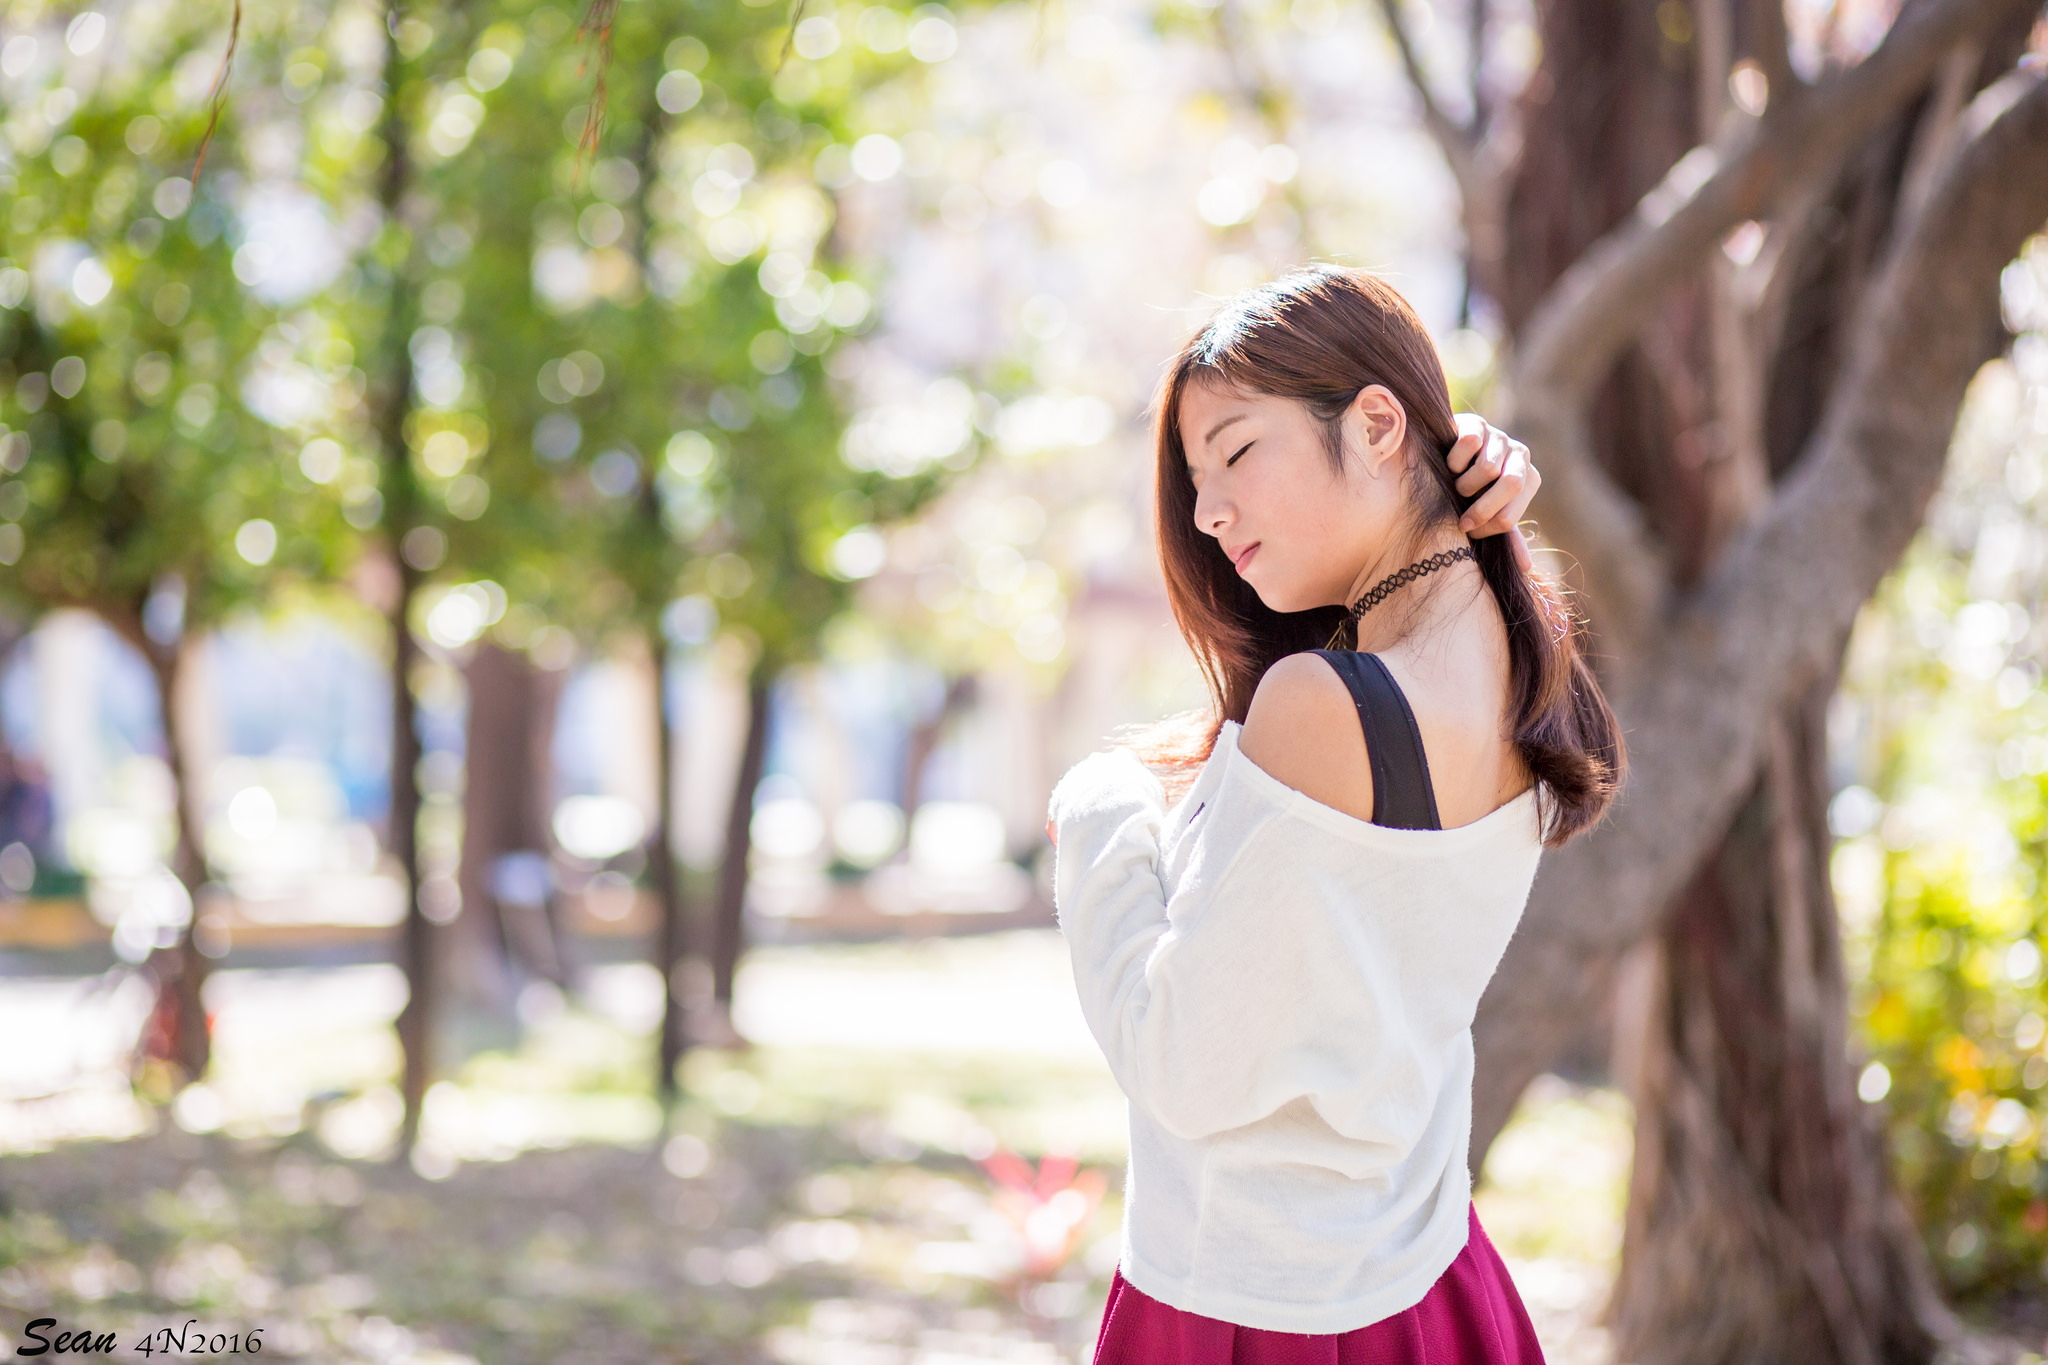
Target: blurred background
x=550 y=557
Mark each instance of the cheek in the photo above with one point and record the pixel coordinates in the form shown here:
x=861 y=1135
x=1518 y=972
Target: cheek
x=1295 y=499
x=1274 y=484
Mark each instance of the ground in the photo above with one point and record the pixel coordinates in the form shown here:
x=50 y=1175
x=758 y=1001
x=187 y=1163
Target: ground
x=917 y=1163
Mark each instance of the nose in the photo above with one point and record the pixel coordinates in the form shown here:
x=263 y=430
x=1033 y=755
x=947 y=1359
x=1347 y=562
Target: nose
x=1212 y=514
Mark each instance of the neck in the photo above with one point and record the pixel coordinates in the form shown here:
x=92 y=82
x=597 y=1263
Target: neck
x=1409 y=605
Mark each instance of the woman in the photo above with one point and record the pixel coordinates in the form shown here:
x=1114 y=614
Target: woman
x=1282 y=955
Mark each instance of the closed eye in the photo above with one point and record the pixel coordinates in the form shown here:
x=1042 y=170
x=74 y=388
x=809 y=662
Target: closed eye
x=1240 y=450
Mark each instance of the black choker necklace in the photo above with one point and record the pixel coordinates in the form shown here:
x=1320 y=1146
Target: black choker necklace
x=1400 y=578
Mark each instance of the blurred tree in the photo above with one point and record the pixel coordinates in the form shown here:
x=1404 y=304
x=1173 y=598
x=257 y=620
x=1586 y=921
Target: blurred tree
x=17 y=616
x=659 y=441
x=233 y=345
x=510 y=929
x=146 y=469
x=1953 y=1009
x=1746 y=274
x=957 y=698
x=1942 y=852
x=412 y=375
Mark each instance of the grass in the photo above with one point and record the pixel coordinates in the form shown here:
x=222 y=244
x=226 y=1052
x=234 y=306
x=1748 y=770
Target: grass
x=833 y=1194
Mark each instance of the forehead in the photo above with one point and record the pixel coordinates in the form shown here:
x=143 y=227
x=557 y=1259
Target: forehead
x=1206 y=402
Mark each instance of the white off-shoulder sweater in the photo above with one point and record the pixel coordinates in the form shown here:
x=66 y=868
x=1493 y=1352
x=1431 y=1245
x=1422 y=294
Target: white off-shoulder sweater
x=1285 y=994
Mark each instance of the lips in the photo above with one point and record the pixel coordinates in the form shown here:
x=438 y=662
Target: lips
x=1243 y=556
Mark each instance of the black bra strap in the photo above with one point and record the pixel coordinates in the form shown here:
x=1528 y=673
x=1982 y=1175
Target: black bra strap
x=1402 y=795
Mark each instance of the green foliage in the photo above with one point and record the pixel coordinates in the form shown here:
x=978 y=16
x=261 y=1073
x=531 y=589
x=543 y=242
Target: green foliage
x=618 y=361
x=1956 y=1014
x=652 y=425
x=1942 y=874
x=127 y=451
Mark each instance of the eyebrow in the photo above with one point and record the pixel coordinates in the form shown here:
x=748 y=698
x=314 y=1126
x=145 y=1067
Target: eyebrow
x=1235 y=417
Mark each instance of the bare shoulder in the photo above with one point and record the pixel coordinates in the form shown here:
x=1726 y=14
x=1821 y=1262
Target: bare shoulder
x=1302 y=728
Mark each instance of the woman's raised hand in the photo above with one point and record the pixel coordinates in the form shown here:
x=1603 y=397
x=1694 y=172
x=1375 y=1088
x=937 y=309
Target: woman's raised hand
x=1483 y=455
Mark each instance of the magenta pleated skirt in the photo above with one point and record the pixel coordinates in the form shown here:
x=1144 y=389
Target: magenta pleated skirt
x=1471 y=1316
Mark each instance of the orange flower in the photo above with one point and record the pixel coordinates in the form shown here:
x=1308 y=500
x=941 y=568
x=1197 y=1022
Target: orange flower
x=1050 y=1204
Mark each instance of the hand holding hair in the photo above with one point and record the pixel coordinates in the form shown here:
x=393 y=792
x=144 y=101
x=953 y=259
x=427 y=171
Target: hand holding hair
x=1484 y=454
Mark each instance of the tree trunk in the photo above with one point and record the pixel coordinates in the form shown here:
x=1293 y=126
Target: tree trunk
x=1761 y=1224
x=392 y=401
x=507 y=928
x=15 y=821
x=924 y=739
x=416 y=936
x=729 y=923
x=655 y=582
x=669 y=936
x=179 y=1029
x=12 y=633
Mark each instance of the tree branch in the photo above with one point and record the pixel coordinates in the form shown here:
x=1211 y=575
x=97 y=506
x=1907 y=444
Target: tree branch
x=1773 y=44
x=1599 y=304
x=1478 y=153
x=1476 y=18
x=1624 y=569
x=1602 y=302
x=1779 y=604
x=1457 y=140
x=1934 y=139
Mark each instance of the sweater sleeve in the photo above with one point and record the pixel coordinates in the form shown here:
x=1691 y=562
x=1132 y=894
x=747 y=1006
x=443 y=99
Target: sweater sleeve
x=1262 y=979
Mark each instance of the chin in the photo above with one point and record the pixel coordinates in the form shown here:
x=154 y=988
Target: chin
x=1283 y=600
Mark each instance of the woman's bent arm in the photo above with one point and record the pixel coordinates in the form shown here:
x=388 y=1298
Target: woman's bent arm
x=1250 y=986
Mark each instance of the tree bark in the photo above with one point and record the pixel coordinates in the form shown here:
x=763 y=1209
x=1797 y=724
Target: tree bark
x=670 y=940
x=12 y=633
x=508 y=780
x=1584 y=321
x=924 y=739
x=392 y=401
x=1764 y=627
x=1761 y=1224
x=1694 y=422
x=1763 y=1221
x=729 y=922
x=179 y=1024
x=1770 y=616
x=1756 y=1227
x=416 y=940
x=655 y=582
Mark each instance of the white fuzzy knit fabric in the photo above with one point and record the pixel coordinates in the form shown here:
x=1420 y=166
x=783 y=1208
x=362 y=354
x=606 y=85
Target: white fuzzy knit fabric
x=1285 y=993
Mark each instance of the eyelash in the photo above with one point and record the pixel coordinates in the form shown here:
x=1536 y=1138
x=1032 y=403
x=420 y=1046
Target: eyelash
x=1233 y=459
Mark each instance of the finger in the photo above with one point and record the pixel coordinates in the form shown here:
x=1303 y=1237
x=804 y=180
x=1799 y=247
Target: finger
x=1461 y=453
x=1487 y=467
x=1507 y=457
x=1471 y=440
x=1483 y=518
x=1519 y=467
x=1498 y=459
x=1519 y=543
x=1492 y=498
x=1522 y=473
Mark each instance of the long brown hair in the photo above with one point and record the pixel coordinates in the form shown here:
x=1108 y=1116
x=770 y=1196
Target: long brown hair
x=1320 y=335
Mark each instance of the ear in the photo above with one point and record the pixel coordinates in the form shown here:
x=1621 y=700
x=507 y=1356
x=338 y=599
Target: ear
x=1378 y=425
